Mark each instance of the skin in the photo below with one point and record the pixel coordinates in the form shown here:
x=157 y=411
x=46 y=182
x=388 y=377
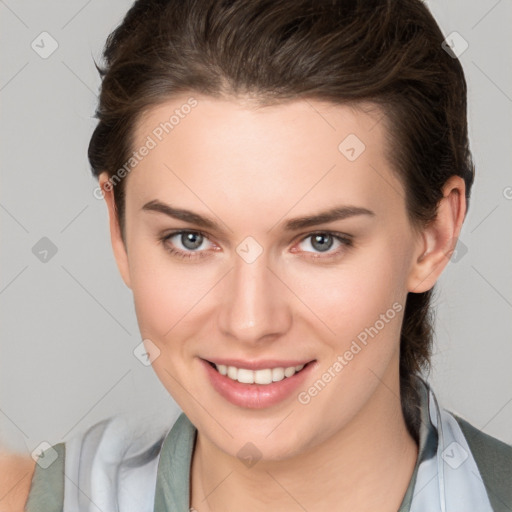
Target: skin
x=16 y=472
x=251 y=169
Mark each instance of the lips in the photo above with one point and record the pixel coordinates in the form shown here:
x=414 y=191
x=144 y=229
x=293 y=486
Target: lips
x=256 y=396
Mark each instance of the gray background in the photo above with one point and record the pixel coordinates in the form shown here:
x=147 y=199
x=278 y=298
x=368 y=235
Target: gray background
x=68 y=323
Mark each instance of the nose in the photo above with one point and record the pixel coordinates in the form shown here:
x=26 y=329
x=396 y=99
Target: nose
x=254 y=302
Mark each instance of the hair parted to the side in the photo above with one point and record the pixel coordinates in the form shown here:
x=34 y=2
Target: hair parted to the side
x=386 y=53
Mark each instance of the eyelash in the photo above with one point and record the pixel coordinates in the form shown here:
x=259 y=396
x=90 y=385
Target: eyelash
x=345 y=241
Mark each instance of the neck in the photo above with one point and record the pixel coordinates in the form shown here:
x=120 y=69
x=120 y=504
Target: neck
x=366 y=466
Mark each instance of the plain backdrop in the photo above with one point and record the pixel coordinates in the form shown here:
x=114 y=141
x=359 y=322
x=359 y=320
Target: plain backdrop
x=68 y=327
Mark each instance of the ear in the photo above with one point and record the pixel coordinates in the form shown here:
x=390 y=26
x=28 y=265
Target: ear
x=118 y=244
x=437 y=241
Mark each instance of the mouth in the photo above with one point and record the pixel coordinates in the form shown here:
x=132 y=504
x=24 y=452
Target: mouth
x=263 y=376
x=264 y=387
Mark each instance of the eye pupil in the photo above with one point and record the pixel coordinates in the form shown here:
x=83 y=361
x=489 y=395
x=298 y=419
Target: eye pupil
x=187 y=238
x=322 y=237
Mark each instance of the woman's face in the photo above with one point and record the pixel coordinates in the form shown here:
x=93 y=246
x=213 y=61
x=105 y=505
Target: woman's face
x=258 y=284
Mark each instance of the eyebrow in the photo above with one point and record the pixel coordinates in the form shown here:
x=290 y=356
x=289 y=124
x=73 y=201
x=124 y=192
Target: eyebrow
x=331 y=215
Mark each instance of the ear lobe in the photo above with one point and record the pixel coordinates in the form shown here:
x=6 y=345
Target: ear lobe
x=118 y=245
x=439 y=238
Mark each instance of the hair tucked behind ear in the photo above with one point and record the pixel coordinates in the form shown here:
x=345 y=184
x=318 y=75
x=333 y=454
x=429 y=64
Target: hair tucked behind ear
x=382 y=52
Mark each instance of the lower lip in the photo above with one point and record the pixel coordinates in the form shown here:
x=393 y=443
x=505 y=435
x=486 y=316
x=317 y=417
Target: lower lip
x=255 y=396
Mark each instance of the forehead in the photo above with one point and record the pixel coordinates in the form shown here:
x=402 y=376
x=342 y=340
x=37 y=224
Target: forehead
x=243 y=116
x=300 y=151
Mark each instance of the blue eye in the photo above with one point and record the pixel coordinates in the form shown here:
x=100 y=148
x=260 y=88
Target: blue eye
x=191 y=240
x=321 y=241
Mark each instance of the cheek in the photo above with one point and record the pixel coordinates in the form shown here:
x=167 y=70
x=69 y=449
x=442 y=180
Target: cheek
x=362 y=303
x=348 y=297
x=171 y=298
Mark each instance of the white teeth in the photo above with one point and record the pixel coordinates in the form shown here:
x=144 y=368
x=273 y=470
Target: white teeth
x=265 y=376
x=288 y=372
x=277 y=374
x=261 y=376
x=245 y=376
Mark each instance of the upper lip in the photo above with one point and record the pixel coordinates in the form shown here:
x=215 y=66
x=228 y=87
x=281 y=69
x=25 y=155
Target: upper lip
x=258 y=365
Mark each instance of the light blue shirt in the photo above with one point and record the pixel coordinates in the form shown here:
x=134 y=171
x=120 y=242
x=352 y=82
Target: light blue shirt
x=133 y=464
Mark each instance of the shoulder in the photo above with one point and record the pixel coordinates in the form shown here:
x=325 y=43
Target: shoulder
x=494 y=460
x=123 y=448
x=16 y=472
x=487 y=447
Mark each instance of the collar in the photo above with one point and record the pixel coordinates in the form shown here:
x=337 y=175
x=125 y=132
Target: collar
x=445 y=476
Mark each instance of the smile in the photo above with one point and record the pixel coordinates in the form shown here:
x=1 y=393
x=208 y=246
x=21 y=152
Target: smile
x=259 y=388
x=263 y=376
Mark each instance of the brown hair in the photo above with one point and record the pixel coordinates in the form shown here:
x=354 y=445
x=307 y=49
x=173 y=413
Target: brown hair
x=382 y=52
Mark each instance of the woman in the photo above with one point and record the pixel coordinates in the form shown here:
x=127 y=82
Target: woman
x=285 y=182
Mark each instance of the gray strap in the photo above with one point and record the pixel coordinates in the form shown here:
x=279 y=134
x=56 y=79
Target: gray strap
x=173 y=478
x=494 y=461
x=47 y=487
